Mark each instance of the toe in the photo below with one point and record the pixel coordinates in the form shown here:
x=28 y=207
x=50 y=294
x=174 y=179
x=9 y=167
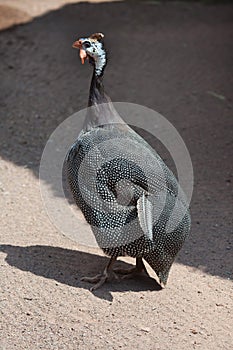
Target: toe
x=94 y=279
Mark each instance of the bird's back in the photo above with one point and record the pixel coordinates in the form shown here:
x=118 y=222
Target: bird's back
x=121 y=185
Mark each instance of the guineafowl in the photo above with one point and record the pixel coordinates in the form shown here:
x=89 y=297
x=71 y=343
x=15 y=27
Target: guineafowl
x=126 y=192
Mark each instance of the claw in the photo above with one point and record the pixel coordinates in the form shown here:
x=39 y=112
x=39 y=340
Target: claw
x=109 y=274
x=100 y=279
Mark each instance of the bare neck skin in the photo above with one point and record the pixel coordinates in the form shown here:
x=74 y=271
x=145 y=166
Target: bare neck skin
x=102 y=111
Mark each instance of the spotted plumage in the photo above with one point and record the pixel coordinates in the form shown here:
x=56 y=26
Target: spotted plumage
x=127 y=194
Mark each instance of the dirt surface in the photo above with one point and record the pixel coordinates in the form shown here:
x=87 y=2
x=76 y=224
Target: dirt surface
x=185 y=73
x=14 y=12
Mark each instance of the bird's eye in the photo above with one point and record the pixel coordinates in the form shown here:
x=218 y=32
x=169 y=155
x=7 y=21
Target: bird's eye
x=86 y=44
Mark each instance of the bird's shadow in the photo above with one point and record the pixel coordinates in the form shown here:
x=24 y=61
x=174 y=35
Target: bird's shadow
x=69 y=266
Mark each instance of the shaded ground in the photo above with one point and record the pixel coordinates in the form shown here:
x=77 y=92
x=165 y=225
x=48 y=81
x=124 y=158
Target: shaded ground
x=185 y=74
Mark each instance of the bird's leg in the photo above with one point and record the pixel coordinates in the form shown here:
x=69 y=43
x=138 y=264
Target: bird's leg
x=134 y=271
x=100 y=279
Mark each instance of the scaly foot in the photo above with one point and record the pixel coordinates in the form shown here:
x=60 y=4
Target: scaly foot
x=100 y=279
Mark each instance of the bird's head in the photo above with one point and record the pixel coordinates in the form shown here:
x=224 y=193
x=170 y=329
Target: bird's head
x=92 y=48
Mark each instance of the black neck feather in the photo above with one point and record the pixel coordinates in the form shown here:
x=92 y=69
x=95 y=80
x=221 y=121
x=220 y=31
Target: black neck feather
x=102 y=111
x=96 y=94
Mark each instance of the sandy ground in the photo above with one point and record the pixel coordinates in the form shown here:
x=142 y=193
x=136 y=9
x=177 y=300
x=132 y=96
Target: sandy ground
x=14 y=12
x=185 y=74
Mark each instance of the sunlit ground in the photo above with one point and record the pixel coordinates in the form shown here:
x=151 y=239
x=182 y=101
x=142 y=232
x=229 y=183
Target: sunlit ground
x=21 y=11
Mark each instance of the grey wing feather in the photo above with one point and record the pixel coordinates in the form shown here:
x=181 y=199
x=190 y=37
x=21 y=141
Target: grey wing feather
x=145 y=215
